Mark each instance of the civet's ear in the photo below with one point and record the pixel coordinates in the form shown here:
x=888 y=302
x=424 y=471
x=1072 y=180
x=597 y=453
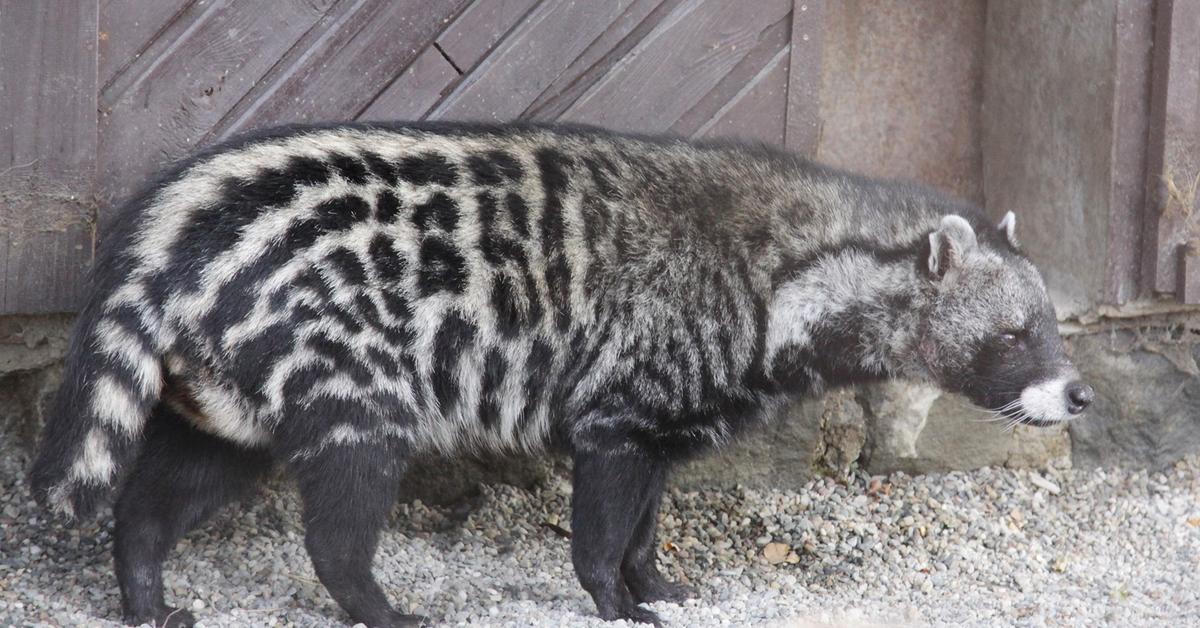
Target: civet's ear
x=950 y=245
x=1008 y=226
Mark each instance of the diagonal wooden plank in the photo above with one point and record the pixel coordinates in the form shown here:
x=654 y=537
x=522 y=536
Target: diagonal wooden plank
x=47 y=151
x=410 y=96
x=529 y=60
x=758 y=111
x=171 y=100
x=639 y=18
x=129 y=27
x=803 y=129
x=734 y=85
x=679 y=62
x=337 y=74
x=480 y=26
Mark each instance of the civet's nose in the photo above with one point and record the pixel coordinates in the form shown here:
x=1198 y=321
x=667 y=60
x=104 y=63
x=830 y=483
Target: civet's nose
x=1079 y=397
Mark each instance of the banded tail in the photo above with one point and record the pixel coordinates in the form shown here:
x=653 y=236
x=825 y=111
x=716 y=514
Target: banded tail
x=112 y=380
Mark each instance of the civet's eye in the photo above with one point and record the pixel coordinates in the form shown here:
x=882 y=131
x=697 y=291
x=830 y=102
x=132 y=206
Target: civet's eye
x=1007 y=339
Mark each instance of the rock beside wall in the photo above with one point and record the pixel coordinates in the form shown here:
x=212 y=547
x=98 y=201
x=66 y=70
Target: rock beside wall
x=1147 y=414
x=1147 y=410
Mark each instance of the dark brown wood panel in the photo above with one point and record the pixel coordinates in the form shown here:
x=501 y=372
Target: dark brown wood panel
x=177 y=93
x=1173 y=164
x=337 y=74
x=676 y=65
x=479 y=27
x=157 y=80
x=613 y=45
x=424 y=82
x=1130 y=127
x=736 y=83
x=47 y=152
x=758 y=111
x=803 y=126
x=528 y=60
x=131 y=26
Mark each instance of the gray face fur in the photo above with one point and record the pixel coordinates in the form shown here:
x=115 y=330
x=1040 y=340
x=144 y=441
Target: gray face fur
x=990 y=329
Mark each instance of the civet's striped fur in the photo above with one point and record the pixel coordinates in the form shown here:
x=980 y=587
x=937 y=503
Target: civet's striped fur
x=339 y=298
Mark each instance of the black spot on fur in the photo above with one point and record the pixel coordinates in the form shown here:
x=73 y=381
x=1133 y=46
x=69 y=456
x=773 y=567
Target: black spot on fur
x=217 y=228
x=439 y=209
x=427 y=169
x=270 y=187
x=483 y=171
x=602 y=171
x=300 y=382
x=341 y=356
x=558 y=282
x=385 y=362
x=348 y=265
x=443 y=268
x=493 y=377
x=343 y=212
x=506 y=165
x=252 y=362
x=454 y=337
x=389 y=266
x=351 y=169
x=383 y=169
x=519 y=212
x=343 y=316
x=387 y=207
x=396 y=305
x=306 y=171
x=367 y=310
x=506 y=305
x=312 y=280
x=540 y=366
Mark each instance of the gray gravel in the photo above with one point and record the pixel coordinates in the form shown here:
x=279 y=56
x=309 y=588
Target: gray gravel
x=980 y=548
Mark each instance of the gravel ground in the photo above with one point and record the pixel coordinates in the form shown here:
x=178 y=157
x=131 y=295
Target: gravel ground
x=980 y=548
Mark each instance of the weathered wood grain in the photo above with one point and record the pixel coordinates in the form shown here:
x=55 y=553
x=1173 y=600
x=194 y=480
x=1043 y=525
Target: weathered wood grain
x=485 y=22
x=1130 y=127
x=1173 y=164
x=336 y=70
x=48 y=73
x=410 y=96
x=803 y=122
x=128 y=27
x=757 y=111
x=638 y=19
x=528 y=60
x=679 y=62
x=175 y=95
x=735 y=84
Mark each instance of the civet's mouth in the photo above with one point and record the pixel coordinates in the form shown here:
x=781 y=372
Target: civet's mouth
x=1052 y=401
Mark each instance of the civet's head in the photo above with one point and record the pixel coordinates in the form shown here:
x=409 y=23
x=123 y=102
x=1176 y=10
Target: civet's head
x=989 y=330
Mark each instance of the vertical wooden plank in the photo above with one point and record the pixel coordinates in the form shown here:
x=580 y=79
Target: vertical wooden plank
x=338 y=73
x=1173 y=164
x=679 y=62
x=803 y=128
x=167 y=101
x=48 y=73
x=529 y=60
x=1133 y=42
